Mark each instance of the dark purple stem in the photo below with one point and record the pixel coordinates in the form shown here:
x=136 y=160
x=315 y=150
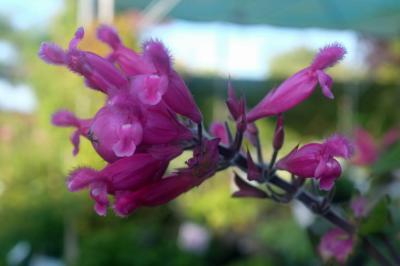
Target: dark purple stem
x=305 y=197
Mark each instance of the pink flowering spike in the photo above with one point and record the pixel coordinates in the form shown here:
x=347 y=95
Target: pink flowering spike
x=233 y=102
x=279 y=135
x=390 y=137
x=150 y=88
x=336 y=244
x=300 y=86
x=115 y=132
x=81 y=178
x=155 y=52
x=218 y=130
x=366 y=151
x=159 y=119
x=359 y=206
x=328 y=56
x=98 y=192
x=180 y=100
x=339 y=146
x=246 y=190
x=52 y=54
x=157 y=193
x=129 y=136
x=253 y=173
x=325 y=81
x=108 y=35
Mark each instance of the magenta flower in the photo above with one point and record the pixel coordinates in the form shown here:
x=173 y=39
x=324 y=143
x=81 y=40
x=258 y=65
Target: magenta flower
x=336 y=244
x=366 y=151
x=300 y=86
x=201 y=166
x=123 y=175
x=316 y=160
x=153 y=77
x=135 y=111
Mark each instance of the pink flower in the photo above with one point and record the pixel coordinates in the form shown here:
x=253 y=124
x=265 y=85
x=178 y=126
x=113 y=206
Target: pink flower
x=115 y=132
x=336 y=244
x=201 y=166
x=98 y=72
x=317 y=160
x=366 y=151
x=300 y=86
x=126 y=174
x=136 y=110
x=154 y=78
x=218 y=130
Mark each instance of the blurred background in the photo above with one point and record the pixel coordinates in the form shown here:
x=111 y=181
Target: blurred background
x=258 y=44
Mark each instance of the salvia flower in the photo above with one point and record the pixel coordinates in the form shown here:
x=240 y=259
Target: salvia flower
x=317 y=160
x=136 y=110
x=336 y=244
x=201 y=166
x=153 y=77
x=300 y=86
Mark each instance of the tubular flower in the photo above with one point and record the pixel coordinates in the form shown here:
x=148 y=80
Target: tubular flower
x=201 y=166
x=336 y=244
x=135 y=84
x=138 y=130
x=317 y=160
x=153 y=77
x=300 y=86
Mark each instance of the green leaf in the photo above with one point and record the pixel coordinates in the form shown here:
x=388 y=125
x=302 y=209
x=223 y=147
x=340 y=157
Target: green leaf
x=378 y=218
x=388 y=161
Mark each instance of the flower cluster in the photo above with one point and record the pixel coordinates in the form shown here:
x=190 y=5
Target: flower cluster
x=140 y=128
x=148 y=117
